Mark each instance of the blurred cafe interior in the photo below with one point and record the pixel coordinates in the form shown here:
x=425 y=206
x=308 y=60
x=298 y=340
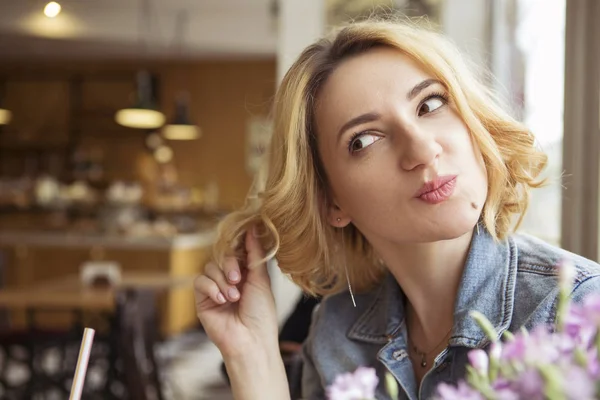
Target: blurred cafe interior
x=128 y=128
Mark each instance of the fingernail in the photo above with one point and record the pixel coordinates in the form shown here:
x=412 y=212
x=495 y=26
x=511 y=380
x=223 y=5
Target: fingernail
x=233 y=276
x=233 y=293
x=221 y=298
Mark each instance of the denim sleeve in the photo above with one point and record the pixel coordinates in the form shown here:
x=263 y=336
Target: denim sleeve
x=588 y=286
x=312 y=389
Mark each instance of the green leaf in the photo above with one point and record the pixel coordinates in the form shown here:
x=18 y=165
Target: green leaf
x=391 y=385
x=480 y=383
x=580 y=357
x=562 y=309
x=485 y=325
x=552 y=377
x=508 y=336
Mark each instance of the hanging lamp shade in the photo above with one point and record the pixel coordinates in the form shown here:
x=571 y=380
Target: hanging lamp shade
x=5 y=116
x=144 y=113
x=181 y=127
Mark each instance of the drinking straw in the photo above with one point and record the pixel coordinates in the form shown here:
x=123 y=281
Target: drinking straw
x=82 y=364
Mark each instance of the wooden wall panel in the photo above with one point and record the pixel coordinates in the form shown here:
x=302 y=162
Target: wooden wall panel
x=40 y=112
x=224 y=95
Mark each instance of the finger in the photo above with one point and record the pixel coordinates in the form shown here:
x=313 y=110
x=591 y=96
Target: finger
x=255 y=251
x=231 y=269
x=216 y=274
x=206 y=288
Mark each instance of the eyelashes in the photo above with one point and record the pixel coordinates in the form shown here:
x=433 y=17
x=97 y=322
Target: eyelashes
x=430 y=104
x=441 y=97
x=355 y=140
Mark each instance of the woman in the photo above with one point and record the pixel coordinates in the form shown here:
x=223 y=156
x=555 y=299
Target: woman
x=393 y=182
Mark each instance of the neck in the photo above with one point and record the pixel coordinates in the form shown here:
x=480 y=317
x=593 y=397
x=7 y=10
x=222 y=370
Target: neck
x=429 y=275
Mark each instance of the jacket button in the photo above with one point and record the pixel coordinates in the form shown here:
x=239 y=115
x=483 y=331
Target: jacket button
x=399 y=355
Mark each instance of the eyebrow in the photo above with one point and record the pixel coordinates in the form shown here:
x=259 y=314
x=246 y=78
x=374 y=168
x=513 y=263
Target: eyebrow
x=361 y=119
x=373 y=116
x=414 y=92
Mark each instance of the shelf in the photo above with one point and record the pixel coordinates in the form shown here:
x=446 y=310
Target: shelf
x=30 y=147
x=94 y=208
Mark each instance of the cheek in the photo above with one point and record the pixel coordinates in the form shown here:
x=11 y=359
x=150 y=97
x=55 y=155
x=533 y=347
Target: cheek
x=465 y=148
x=479 y=170
x=477 y=156
x=465 y=154
x=359 y=191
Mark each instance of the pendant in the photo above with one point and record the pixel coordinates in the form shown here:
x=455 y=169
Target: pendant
x=423 y=362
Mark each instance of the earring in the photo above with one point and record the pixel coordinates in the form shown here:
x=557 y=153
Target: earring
x=346 y=270
x=338 y=219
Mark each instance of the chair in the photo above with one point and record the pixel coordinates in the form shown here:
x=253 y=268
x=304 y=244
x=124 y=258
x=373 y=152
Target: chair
x=137 y=318
x=4 y=320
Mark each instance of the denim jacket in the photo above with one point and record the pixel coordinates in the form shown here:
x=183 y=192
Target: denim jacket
x=513 y=283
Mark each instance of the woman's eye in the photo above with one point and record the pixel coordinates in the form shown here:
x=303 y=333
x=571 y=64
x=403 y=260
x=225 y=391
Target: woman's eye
x=362 y=141
x=431 y=105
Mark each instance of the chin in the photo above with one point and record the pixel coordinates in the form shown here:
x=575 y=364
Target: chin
x=455 y=230
x=450 y=226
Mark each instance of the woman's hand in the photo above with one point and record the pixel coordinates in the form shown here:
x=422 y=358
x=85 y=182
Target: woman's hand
x=236 y=307
x=235 y=303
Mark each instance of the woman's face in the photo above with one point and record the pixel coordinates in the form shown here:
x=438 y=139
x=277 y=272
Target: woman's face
x=399 y=160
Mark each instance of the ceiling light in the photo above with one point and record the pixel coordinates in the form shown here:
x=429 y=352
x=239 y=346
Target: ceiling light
x=5 y=116
x=52 y=9
x=181 y=128
x=143 y=114
x=140 y=118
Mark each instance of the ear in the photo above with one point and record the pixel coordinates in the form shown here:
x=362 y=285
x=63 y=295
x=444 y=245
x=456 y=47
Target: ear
x=337 y=217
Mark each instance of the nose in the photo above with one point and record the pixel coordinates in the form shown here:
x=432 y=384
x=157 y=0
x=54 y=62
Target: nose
x=418 y=148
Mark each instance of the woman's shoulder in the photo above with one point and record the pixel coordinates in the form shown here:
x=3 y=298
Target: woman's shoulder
x=537 y=257
x=343 y=319
x=338 y=312
x=335 y=344
x=536 y=289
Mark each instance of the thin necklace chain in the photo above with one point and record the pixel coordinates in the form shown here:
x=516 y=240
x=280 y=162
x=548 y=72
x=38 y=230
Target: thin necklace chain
x=423 y=354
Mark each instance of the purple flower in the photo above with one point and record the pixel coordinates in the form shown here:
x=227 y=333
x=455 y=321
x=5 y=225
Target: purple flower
x=460 y=392
x=495 y=351
x=354 y=386
x=515 y=349
x=579 y=324
x=593 y=366
x=507 y=394
x=530 y=385
x=591 y=306
x=503 y=390
x=548 y=362
x=539 y=347
x=479 y=360
x=578 y=384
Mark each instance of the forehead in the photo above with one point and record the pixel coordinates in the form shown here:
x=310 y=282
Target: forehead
x=368 y=80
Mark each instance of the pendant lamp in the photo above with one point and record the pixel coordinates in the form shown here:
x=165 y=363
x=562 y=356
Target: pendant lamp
x=5 y=115
x=144 y=114
x=181 y=127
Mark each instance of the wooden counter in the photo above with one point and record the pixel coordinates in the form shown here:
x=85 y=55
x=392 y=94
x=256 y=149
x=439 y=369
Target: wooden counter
x=31 y=257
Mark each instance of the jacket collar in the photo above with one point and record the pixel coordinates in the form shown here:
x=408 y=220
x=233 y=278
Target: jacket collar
x=487 y=285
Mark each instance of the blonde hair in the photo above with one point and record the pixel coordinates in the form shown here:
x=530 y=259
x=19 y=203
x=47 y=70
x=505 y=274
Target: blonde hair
x=290 y=206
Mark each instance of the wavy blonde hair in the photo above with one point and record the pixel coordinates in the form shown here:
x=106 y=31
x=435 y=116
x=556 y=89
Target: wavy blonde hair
x=290 y=202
